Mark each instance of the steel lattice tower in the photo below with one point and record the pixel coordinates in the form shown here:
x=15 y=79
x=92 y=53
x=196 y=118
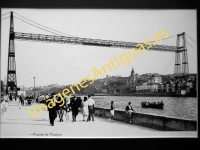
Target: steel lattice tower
x=177 y=67
x=181 y=49
x=185 y=67
x=11 y=74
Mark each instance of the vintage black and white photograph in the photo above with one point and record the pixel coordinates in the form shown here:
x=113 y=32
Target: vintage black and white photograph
x=98 y=73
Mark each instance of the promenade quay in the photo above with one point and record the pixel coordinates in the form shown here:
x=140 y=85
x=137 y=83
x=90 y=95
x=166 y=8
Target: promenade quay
x=17 y=123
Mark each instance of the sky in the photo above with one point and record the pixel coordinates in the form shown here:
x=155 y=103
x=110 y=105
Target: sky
x=64 y=64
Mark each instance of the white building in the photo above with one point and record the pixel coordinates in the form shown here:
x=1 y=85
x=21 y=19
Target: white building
x=156 y=79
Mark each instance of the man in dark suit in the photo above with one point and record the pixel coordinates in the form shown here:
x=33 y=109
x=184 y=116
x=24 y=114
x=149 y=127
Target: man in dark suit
x=20 y=98
x=129 y=110
x=91 y=104
x=10 y=97
x=75 y=104
x=52 y=111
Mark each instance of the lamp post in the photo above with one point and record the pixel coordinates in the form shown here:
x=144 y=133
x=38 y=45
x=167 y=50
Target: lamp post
x=34 y=85
x=34 y=81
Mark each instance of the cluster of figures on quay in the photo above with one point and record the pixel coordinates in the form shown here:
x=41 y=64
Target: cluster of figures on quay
x=83 y=104
x=75 y=105
x=17 y=98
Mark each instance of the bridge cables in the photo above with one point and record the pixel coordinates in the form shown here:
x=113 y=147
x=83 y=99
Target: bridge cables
x=36 y=26
x=191 y=39
x=4 y=15
x=163 y=39
x=43 y=26
x=5 y=18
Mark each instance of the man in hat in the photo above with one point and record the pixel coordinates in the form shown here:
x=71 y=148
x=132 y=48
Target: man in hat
x=91 y=104
x=52 y=111
x=74 y=106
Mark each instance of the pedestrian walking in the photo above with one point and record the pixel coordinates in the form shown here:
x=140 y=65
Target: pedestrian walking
x=91 y=104
x=37 y=98
x=112 y=111
x=5 y=97
x=60 y=113
x=10 y=97
x=43 y=98
x=6 y=104
x=74 y=106
x=3 y=104
x=85 y=109
x=21 y=99
x=81 y=106
x=2 y=107
x=52 y=111
x=67 y=108
x=19 y=102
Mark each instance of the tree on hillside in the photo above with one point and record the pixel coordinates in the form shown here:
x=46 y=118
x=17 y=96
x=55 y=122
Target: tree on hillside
x=36 y=89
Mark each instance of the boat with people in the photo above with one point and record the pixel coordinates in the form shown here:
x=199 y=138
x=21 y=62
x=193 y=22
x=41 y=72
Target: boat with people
x=147 y=104
x=98 y=94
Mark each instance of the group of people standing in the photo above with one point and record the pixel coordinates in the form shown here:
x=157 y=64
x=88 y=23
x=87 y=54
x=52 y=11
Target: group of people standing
x=84 y=105
x=129 y=110
x=11 y=97
x=75 y=105
x=4 y=104
x=8 y=98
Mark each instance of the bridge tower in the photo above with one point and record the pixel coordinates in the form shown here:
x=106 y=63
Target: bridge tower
x=181 y=49
x=185 y=67
x=11 y=70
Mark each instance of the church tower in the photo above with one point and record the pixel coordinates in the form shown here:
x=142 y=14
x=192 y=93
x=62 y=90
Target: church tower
x=132 y=72
x=132 y=77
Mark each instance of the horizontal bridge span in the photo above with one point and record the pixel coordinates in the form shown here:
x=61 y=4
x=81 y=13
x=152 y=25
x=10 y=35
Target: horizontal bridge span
x=88 y=42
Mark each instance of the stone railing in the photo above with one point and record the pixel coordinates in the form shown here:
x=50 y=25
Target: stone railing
x=163 y=123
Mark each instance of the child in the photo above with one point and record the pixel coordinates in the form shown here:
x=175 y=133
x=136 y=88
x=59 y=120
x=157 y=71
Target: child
x=112 y=111
x=60 y=113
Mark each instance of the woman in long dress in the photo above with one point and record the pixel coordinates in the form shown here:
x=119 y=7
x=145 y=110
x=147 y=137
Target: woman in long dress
x=85 y=108
x=67 y=108
x=112 y=111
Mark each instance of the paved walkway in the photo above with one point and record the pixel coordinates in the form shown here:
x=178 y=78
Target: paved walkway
x=17 y=123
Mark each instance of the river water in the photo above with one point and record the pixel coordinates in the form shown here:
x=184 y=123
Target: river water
x=185 y=108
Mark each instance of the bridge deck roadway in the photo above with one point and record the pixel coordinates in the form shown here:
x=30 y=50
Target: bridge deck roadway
x=17 y=123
